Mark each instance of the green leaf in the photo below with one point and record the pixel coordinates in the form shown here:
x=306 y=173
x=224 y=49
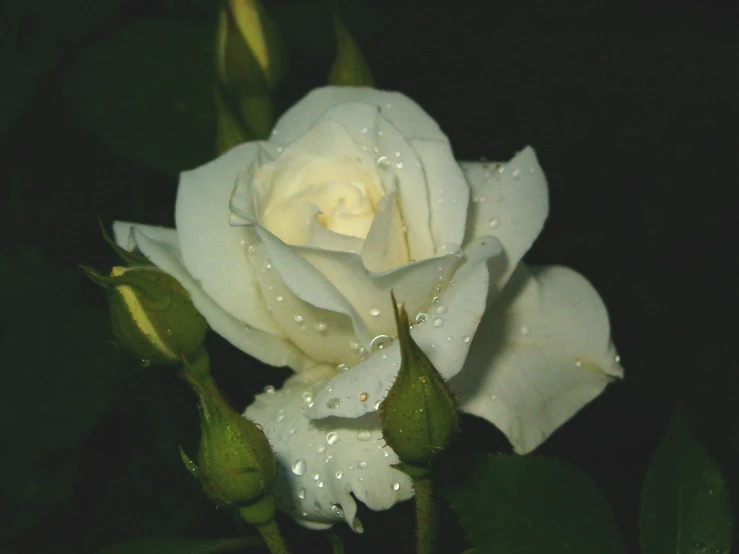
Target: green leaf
x=685 y=503
x=181 y=546
x=148 y=93
x=531 y=505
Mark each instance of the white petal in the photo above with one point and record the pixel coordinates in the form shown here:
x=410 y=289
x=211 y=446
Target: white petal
x=445 y=342
x=542 y=352
x=448 y=191
x=122 y=233
x=213 y=251
x=403 y=112
x=325 y=336
x=265 y=347
x=510 y=202
x=321 y=464
x=385 y=247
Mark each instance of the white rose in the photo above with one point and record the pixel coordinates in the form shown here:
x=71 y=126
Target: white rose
x=290 y=249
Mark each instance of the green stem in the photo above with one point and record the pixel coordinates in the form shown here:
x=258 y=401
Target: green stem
x=272 y=537
x=425 y=517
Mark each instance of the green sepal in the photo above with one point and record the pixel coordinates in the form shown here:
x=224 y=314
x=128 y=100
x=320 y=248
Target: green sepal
x=419 y=414
x=414 y=472
x=191 y=466
x=130 y=258
x=349 y=68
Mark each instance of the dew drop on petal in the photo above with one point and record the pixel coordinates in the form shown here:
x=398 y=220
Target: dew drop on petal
x=301 y=494
x=269 y=389
x=332 y=438
x=421 y=318
x=354 y=345
x=466 y=338
x=297 y=318
x=321 y=449
x=493 y=223
x=377 y=404
x=364 y=435
x=396 y=486
x=319 y=484
x=307 y=396
x=316 y=476
x=279 y=299
x=342 y=367
x=435 y=300
x=374 y=311
x=299 y=467
x=441 y=309
x=362 y=465
x=438 y=322
x=380 y=342
x=578 y=363
x=321 y=326
x=337 y=510
x=333 y=403
x=339 y=474
x=516 y=173
x=525 y=331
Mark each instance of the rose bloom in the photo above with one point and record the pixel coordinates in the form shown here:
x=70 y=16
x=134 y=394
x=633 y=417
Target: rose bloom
x=290 y=248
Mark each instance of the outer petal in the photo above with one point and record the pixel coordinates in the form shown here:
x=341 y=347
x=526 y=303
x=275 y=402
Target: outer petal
x=509 y=201
x=445 y=338
x=213 y=251
x=165 y=255
x=400 y=110
x=541 y=353
x=322 y=463
x=448 y=191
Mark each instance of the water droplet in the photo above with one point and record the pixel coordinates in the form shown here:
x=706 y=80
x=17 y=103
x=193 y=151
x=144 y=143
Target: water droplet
x=297 y=318
x=364 y=435
x=363 y=354
x=380 y=342
x=332 y=438
x=319 y=484
x=311 y=404
x=307 y=396
x=516 y=174
x=399 y=165
x=382 y=161
x=291 y=432
x=501 y=168
x=143 y=362
x=301 y=494
x=267 y=265
x=421 y=318
x=269 y=389
x=377 y=404
x=617 y=358
x=251 y=250
x=441 y=309
x=438 y=322
x=435 y=300
x=363 y=396
x=466 y=338
x=525 y=331
x=354 y=345
x=339 y=474
x=321 y=449
x=281 y=418
x=386 y=454
x=365 y=130
x=578 y=363
x=449 y=338
x=321 y=326
x=362 y=465
x=493 y=223
x=396 y=486
x=279 y=299
x=337 y=510
x=374 y=311
x=316 y=476
x=299 y=467
x=342 y=367
x=333 y=403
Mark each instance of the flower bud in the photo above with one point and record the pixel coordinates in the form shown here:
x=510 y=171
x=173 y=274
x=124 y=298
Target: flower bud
x=236 y=465
x=152 y=314
x=419 y=414
x=349 y=68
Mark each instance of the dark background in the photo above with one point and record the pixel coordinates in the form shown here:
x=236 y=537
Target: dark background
x=630 y=107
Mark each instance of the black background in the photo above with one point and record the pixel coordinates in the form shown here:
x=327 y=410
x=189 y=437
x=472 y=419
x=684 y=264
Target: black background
x=632 y=111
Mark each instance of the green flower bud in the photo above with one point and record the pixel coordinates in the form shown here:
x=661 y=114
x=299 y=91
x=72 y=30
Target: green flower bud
x=349 y=68
x=419 y=414
x=236 y=465
x=152 y=314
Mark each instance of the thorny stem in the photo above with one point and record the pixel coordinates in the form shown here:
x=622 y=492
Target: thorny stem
x=425 y=516
x=272 y=537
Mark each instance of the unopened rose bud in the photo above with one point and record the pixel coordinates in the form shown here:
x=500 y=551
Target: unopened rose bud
x=235 y=462
x=152 y=314
x=250 y=60
x=350 y=68
x=419 y=414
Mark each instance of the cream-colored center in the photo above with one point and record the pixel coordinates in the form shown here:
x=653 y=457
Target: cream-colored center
x=340 y=193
